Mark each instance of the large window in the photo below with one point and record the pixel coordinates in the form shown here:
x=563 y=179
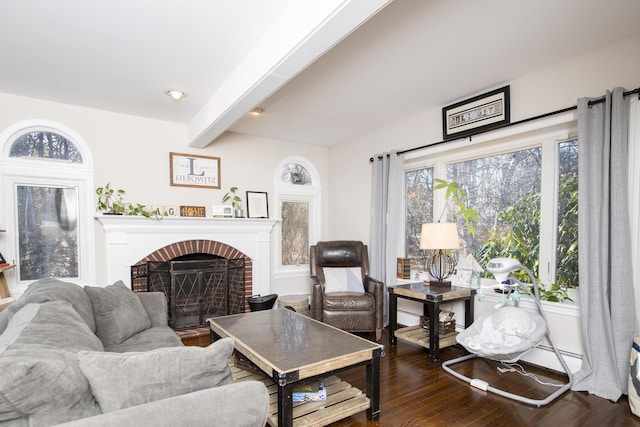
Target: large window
x=504 y=189
x=525 y=194
x=46 y=184
x=47 y=232
x=419 y=203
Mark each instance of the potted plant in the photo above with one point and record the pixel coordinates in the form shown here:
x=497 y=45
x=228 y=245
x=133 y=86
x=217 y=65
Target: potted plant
x=236 y=202
x=110 y=201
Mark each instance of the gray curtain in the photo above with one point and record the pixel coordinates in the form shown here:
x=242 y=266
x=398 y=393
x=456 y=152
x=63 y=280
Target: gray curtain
x=386 y=219
x=606 y=289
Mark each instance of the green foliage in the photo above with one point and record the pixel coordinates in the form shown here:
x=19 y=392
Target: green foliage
x=112 y=201
x=460 y=197
x=567 y=245
x=555 y=293
x=236 y=201
x=516 y=234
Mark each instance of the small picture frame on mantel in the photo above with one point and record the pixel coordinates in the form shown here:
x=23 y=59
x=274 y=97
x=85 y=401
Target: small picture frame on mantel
x=257 y=204
x=479 y=114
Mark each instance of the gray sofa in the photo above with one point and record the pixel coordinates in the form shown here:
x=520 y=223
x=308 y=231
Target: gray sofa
x=105 y=356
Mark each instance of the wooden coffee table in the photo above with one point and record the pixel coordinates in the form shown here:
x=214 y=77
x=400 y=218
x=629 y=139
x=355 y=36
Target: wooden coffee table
x=289 y=347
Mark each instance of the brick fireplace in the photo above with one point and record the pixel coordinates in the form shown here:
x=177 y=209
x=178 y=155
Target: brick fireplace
x=124 y=241
x=201 y=278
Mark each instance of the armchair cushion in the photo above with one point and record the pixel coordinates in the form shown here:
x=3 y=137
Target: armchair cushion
x=339 y=301
x=343 y=279
x=119 y=313
x=120 y=380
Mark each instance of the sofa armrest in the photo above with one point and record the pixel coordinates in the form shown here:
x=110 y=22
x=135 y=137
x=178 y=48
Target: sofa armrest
x=240 y=404
x=155 y=304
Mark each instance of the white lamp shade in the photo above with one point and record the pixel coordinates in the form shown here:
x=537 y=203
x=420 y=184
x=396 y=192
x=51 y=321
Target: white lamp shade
x=439 y=235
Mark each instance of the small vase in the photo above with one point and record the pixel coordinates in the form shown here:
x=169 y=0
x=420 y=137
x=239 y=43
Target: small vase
x=239 y=213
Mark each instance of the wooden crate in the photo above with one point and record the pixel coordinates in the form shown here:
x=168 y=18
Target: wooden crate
x=343 y=400
x=445 y=327
x=419 y=335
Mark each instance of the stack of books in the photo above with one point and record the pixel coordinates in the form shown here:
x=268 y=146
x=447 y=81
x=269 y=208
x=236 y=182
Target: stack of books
x=310 y=391
x=404 y=268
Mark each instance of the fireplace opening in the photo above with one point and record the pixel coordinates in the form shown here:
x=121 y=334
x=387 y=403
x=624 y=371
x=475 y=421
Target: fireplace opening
x=197 y=286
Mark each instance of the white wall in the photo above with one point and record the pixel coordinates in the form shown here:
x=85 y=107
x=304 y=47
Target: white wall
x=132 y=153
x=548 y=90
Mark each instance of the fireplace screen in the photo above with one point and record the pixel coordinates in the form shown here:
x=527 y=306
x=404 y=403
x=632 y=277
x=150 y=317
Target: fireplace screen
x=196 y=289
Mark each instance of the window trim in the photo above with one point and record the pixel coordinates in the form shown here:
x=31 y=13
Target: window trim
x=43 y=172
x=545 y=133
x=296 y=193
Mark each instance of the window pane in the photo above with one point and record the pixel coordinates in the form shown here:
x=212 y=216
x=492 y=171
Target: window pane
x=45 y=145
x=293 y=173
x=567 y=235
x=295 y=233
x=419 y=200
x=47 y=232
x=505 y=191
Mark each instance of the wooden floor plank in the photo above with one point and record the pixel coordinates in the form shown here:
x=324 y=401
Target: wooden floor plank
x=416 y=392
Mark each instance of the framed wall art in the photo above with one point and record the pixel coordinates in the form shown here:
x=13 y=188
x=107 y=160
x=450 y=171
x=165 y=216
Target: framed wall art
x=192 y=170
x=475 y=115
x=257 y=204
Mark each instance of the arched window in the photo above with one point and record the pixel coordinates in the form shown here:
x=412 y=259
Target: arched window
x=40 y=144
x=46 y=183
x=297 y=186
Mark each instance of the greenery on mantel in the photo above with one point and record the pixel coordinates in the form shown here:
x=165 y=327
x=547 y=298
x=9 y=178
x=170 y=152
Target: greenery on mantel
x=236 y=201
x=111 y=201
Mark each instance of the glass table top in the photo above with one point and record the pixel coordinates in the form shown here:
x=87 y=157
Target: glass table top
x=422 y=290
x=286 y=341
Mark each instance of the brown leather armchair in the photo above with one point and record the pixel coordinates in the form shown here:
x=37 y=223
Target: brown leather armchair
x=349 y=311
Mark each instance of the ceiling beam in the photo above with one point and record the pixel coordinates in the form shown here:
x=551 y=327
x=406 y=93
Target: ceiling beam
x=304 y=32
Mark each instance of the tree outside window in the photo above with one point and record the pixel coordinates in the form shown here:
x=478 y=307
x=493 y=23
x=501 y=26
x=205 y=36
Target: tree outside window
x=505 y=190
x=295 y=233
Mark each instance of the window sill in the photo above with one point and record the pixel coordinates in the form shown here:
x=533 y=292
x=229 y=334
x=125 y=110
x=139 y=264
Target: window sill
x=302 y=271
x=563 y=308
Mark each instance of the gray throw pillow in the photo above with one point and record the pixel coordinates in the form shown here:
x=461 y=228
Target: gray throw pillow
x=50 y=289
x=118 y=311
x=120 y=380
x=40 y=376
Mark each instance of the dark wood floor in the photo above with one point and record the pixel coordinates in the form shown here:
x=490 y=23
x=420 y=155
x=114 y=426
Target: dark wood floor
x=416 y=392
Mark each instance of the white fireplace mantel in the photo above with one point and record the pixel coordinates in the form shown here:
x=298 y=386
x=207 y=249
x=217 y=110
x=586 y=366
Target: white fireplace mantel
x=128 y=239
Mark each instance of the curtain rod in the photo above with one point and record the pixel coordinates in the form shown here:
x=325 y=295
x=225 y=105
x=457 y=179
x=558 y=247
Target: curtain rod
x=519 y=122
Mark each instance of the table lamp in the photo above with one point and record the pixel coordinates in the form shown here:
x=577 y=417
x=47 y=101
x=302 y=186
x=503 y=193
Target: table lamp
x=438 y=236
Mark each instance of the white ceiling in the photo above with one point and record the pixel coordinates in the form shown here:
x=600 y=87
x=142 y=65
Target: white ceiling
x=232 y=55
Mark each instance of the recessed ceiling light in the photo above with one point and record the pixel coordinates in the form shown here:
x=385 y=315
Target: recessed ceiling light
x=176 y=94
x=257 y=111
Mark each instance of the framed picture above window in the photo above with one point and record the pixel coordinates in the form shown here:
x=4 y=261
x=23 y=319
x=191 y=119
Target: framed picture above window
x=257 y=204
x=475 y=115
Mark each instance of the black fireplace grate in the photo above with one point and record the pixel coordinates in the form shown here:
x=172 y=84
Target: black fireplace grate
x=196 y=289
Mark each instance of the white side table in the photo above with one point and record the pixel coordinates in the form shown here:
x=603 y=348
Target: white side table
x=300 y=303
